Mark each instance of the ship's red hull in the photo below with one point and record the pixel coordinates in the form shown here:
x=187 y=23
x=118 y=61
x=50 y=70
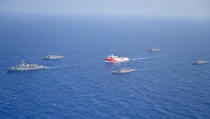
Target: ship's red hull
x=116 y=59
x=110 y=59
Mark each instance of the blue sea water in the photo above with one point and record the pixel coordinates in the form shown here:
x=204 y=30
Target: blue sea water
x=81 y=86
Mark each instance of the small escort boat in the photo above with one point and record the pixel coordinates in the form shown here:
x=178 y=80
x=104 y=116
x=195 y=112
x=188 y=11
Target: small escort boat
x=49 y=57
x=200 y=61
x=25 y=67
x=116 y=59
x=123 y=70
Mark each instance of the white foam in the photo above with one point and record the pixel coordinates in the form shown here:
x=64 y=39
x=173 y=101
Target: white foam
x=141 y=58
x=60 y=67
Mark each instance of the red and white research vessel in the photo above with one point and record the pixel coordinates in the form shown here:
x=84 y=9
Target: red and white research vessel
x=116 y=59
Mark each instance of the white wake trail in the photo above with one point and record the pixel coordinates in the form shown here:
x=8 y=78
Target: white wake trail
x=60 y=67
x=141 y=58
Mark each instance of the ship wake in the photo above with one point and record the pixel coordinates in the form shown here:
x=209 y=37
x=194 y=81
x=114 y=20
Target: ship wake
x=141 y=58
x=58 y=67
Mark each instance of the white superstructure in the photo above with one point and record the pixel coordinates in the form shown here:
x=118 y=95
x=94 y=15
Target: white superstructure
x=200 y=61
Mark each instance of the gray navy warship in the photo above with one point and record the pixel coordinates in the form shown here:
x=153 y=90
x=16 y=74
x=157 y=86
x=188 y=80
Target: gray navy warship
x=154 y=49
x=123 y=70
x=49 y=57
x=25 y=67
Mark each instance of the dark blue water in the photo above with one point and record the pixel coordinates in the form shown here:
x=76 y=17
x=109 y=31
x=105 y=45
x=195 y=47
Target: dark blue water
x=81 y=86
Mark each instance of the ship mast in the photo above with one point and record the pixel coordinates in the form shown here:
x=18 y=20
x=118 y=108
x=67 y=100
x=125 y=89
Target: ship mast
x=23 y=62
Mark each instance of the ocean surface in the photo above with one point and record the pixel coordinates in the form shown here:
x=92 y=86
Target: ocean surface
x=81 y=86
